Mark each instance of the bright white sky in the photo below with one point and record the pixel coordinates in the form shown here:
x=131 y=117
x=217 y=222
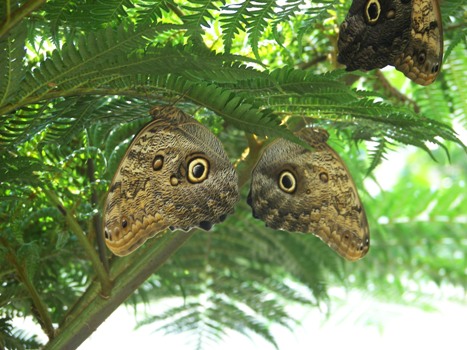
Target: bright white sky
x=360 y=323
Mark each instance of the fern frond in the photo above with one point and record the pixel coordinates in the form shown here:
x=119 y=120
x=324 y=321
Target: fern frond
x=21 y=169
x=233 y=20
x=377 y=152
x=12 y=55
x=16 y=339
x=316 y=13
x=110 y=11
x=457 y=76
x=148 y=11
x=81 y=64
x=258 y=16
x=200 y=12
x=458 y=38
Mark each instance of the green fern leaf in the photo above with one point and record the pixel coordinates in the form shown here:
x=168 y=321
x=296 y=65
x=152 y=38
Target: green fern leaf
x=12 y=54
x=200 y=12
x=149 y=11
x=21 y=169
x=233 y=20
x=258 y=16
x=81 y=64
x=111 y=11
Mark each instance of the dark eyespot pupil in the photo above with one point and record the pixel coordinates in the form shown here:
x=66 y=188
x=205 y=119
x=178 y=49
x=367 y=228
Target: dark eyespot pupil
x=287 y=181
x=198 y=170
x=421 y=58
x=373 y=11
x=435 y=68
x=124 y=223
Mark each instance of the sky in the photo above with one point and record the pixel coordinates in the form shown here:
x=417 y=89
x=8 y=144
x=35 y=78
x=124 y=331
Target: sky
x=357 y=321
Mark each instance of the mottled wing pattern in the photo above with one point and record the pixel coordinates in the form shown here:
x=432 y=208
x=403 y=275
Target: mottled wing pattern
x=175 y=174
x=404 y=34
x=422 y=58
x=374 y=33
x=295 y=189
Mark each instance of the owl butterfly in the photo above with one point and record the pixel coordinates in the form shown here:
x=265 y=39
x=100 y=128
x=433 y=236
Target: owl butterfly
x=407 y=34
x=295 y=189
x=175 y=174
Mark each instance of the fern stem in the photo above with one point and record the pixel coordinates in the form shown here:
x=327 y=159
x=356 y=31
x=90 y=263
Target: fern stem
x=17 y=16
x=42 y=314
x=175 y=10
x=96 y=219
x=91 y=253
x=128 y=273
x=250 y=160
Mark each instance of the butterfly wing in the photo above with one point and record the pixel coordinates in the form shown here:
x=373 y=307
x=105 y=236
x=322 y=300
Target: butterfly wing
x=404 y=34
x=422 y=58
x=373 y=34
x=295 y=189
x=175 y=174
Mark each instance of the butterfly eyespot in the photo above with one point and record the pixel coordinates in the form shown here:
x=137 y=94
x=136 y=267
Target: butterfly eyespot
x=421 y=57
x=435 y=68
x=106 y=235
x=324 y=177
x=124 y=223
x=372 y=11
x=198 y=170
x=287 y=182
x=173 y=181
x=158 y=162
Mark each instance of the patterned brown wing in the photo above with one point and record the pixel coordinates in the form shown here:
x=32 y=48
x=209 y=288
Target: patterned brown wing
x=175 y=174
x=421 y=60
x=405 y=34
x=295 y=189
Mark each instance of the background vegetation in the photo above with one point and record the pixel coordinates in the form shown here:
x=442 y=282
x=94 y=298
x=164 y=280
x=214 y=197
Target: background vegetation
x=77 y=80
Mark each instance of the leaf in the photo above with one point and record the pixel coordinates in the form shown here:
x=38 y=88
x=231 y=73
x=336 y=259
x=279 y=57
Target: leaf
x=12 y=61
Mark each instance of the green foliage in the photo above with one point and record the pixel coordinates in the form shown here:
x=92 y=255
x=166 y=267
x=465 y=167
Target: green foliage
x=76 y=83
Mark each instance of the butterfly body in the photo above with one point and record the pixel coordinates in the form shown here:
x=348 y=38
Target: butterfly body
x=406 y=34
x=175 y=174
x=296 y=189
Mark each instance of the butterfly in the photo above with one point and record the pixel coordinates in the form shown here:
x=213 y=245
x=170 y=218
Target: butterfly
x=407 y=34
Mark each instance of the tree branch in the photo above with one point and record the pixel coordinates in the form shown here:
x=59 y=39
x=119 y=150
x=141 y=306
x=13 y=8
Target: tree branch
x=96 y=219
x=17 y=16
x=42 y=314
x=90 y=252
x=127 y=273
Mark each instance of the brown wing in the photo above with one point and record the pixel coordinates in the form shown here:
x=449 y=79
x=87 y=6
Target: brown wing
x=295 y=189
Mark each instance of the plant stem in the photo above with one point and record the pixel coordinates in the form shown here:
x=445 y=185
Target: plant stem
x=12 y=19
x=96 y=219
x=128 y=274
x=42 y=314
x=88 y=248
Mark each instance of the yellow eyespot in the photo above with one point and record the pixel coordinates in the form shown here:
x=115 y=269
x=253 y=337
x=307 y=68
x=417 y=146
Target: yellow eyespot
x=372 y=11
x=287 y=182
x=158 y=162
x=198 y=170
